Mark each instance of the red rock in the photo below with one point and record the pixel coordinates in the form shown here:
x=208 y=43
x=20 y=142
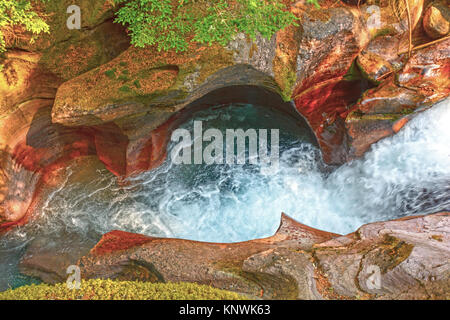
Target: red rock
x=428 y=72
x=327 y=51
x=384 y=110
x=111 y=145
x=118 y=240
x=323 y=106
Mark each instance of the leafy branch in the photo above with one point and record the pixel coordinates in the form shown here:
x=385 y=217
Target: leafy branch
x=174 y=24
x=16 y=18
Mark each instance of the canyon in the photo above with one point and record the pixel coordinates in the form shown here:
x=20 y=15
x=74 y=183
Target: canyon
x=77 y=97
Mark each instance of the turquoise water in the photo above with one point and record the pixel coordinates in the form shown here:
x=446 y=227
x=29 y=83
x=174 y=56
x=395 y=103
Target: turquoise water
x=10 y=277
x=407 y=174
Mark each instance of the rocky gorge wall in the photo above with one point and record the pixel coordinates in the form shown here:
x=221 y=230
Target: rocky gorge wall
x=346 y=74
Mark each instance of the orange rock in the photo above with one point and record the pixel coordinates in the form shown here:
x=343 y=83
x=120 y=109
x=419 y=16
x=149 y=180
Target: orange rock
x=374 y=67
x=400 y=124
x=434 y=22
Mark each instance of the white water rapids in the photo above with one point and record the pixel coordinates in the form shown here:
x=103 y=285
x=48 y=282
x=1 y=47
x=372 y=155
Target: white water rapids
x=406 y=174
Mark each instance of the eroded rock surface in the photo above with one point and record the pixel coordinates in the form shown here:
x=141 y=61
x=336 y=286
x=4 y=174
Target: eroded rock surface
x=436 y=19
x=248 y=267
x=407 y=258
x=346 y=71
x=30 y=144
x=384 y=110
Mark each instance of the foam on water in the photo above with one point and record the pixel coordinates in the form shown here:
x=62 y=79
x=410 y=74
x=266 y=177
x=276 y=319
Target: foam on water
x=406 y=174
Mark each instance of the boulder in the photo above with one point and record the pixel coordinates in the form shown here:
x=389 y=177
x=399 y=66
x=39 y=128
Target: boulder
x=436 y=20
x=384 y=110
x=402 y=259
x=269 y=268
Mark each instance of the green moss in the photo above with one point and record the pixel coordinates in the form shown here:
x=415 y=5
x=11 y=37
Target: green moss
x=393 y=252
x=384 y=32
x=69 y=53
x=120 y=290
x=137 y=84
x=216 y=59
x=288 y=84
x=407 y=111
x=123 y=78
x=125 y=89
x=354 y=73
x=286 y=78
x=357 y=115
x=111 y=73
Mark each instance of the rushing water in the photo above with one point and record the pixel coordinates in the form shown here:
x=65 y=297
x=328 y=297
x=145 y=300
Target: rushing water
x=403 y=175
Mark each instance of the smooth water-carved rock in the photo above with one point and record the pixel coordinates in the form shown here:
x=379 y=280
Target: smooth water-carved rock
x=329 y=84
x=30 y=144
x=401 y=259
x=144 y=82
x=238 y=267
x=406 y=258
x=312 y=63
x=22 y=79
x=33 y=148
x=331 y=40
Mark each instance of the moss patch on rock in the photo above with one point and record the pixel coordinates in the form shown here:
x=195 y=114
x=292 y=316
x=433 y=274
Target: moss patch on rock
x=142 y=76
x=94 y=12
x=120 y=290
x=285 y=62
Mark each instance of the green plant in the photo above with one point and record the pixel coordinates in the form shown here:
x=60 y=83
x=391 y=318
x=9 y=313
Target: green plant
x=120 y=290
x=169 y=24
x=123 y=78
x=174 y=24
x=137 y=84
x=125 y=89
x=16 y=18
x=111 y=73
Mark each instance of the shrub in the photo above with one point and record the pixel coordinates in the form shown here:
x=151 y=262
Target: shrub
x=111 y=73
x=169 y=24
x=120 y=290
x=17 y=17
x=173 y=24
